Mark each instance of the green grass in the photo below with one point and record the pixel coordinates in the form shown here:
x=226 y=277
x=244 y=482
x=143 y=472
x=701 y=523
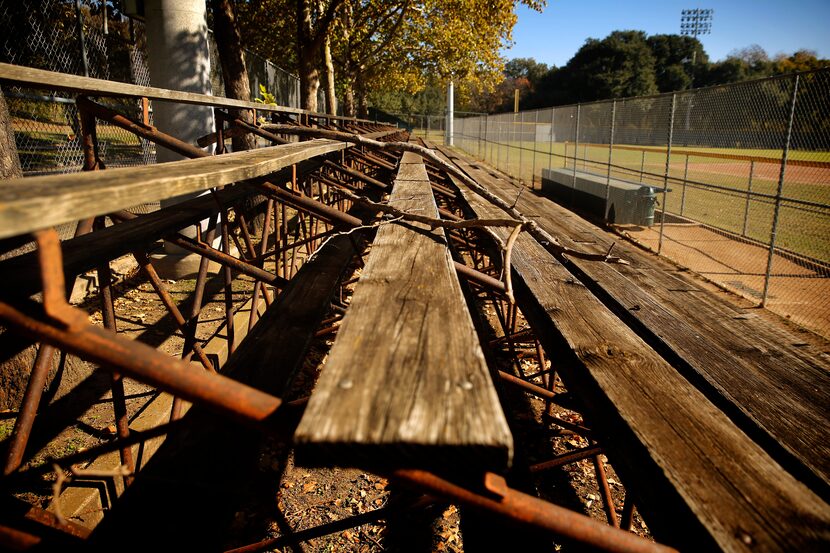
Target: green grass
x=805 y=231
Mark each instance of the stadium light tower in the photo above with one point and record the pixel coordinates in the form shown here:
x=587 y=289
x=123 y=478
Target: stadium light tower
x=696 y=22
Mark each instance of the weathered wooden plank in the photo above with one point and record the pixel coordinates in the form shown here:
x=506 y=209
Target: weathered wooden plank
x=187 y=495
x=32 y=203
x=49 y=80
x=699 y=481
x=781 y=392
x=406 y=383
x=21 y=274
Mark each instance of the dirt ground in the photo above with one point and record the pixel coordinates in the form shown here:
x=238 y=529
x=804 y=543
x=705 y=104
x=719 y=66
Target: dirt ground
x=798 y=291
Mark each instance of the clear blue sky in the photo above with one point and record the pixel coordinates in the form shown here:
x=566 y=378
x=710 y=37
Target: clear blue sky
x=555 y=35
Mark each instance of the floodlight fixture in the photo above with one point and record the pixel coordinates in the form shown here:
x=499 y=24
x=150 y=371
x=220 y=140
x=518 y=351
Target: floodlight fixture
x=696 y=22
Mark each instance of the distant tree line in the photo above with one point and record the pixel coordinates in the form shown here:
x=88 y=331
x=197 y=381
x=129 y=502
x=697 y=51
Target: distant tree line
x=631 y=63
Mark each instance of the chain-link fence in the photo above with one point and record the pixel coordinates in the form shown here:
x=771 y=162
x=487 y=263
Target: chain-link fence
x=423 y=125
x=740 y=175
x=70 y=37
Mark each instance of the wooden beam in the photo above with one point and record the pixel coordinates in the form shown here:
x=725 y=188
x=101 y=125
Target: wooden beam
x=406 y=383
x=33 y=203
x=19 y=75
x=700 y=482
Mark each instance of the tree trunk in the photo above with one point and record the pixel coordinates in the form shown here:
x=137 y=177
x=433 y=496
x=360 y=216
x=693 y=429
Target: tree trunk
x=362 y=98
x=307 y=57
x=331 y=98
x=348 y=98
x=15 y=364
x=309 y=82
x=237 y=87
x=234 y=72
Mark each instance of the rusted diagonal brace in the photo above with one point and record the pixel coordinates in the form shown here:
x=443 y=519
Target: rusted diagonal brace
x=215 y=255
x=61 y=325
x=253 y=129
x=144 y=363
x=336 y=216
x=531 y=511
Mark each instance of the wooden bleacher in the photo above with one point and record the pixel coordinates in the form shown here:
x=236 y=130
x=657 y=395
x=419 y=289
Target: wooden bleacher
x=701 y=477
x=406 y=383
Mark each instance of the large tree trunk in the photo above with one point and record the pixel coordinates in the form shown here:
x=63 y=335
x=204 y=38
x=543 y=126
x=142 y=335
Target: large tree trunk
x=309 y=81
x=362 y=97
x=307 y=57
x=9 y=161
x=15 y=361
x=348 y=98
x=238 y=87
x=234 y=72
x=331 y=98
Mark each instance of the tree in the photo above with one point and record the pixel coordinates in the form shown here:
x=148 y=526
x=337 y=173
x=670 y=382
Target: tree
x=617 y=66
x=232 y=59
x=802 y=60
x=314 y=21
x=366 y=42
x=676 y=59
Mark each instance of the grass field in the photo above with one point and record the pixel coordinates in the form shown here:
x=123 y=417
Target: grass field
x=729 y=202
x=53 y=146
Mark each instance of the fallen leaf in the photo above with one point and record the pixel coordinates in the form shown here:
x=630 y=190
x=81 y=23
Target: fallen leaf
x=309 y=487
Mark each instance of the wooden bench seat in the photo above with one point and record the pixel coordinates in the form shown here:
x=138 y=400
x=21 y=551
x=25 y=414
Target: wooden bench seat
x=406 y=383
x=701 y=483
x=770 y=379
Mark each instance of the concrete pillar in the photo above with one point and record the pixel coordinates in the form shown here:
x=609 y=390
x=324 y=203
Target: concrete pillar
x=450 y=113
x=178 y=58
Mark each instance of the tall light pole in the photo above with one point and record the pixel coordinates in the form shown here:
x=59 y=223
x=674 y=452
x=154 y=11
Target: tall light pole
x=696 y=22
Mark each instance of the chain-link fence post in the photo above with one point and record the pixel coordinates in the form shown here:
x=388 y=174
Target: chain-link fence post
x=683 y=186
x=666 y=173
x=576 y=147
x=778 y=192
x=520 y=141
x=535 y=149
x=610 y=156
x=552 y=137
x=748 y=196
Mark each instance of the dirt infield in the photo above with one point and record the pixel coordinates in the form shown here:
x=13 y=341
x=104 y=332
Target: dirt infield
x=763 y=171
x=797 y=292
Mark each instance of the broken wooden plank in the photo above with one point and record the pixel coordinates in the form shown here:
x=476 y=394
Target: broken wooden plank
x=781 y=394
x=406 y=383
x=700 y=482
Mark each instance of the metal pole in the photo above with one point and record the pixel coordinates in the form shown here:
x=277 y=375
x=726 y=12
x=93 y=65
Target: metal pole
x=610 y=155
x=748 y=196
x=642 y=165
x=533 y=171
x=480 y=119
x=450 y=113
x=81 y=39
x=520 y=136
x=552 y=137
x=784 y=154
x=666 y=173
x=576 y=147
x=683 y=189
x=483 y=156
